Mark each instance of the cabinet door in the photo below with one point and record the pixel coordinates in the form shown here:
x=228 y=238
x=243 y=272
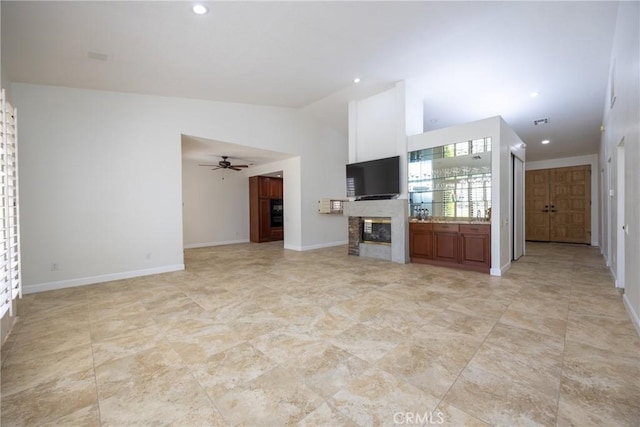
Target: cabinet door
x=277 y=233
x=475 y=248
x=275 y=188
x=421 y=240
x=265 y=220
x=421 y=244
x=445 y=246
x=265 y=186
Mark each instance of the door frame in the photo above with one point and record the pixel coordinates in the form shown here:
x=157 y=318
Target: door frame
x=517 y=212
x=620 y=223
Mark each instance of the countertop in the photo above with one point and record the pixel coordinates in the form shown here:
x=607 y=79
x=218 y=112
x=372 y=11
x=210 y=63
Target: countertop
x=449 y=221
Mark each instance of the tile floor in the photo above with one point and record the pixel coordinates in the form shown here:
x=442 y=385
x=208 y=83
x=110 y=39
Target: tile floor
x=258 y=336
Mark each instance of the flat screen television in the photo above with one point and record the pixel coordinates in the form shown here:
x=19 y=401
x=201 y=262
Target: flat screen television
x=374 y=179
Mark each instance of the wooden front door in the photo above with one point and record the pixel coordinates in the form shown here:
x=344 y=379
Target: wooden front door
x=537 y=205
x=558 y=204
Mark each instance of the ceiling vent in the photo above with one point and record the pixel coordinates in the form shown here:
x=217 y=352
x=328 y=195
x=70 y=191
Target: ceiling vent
x=541 y=122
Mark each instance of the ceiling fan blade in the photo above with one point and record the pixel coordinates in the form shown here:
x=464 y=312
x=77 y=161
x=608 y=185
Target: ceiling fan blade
x=216 y=168
x=234 y=168
x=240 y=166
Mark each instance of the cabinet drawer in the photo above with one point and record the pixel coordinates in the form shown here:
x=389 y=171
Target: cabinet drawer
x=452 y=228
x=420 y=226
x=475 y=228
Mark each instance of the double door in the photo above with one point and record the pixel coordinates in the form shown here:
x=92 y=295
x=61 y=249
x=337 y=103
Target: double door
x=558 y=204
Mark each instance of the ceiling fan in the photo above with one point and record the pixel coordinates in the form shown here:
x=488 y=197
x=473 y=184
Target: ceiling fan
x=225 y=164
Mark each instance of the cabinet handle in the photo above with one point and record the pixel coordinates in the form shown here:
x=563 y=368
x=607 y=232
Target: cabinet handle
x=545 y=210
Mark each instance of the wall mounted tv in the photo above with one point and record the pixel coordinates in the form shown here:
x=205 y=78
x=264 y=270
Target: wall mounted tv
x=374 y=179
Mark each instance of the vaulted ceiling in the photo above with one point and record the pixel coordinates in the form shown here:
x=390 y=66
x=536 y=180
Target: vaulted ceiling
x=467 y=60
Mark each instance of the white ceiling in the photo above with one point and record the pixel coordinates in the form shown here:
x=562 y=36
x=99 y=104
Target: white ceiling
x=208 y=151
x=469 y=60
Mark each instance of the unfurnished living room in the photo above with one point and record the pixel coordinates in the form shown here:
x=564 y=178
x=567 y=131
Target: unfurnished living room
x=328 y=213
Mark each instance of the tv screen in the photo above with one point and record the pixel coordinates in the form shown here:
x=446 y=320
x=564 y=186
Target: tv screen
x=375 y=179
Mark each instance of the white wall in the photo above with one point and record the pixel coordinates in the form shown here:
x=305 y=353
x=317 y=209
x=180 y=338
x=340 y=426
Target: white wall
x=622 y=122
x=379 y=126
x=591 y=160
x=100 y=176
x=503 y=141
x=215 y=207
x=374 y=123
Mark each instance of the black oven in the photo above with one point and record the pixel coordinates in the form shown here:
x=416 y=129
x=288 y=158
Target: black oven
x=276 y=212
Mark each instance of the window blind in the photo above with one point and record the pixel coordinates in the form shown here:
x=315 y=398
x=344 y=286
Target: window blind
x=10 y=274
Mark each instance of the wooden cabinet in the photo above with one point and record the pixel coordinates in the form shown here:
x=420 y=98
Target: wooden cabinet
x=445 y=242
x=270 y=187
x=475 y=245
x=466 y=246
x=262 y=191
x=421 y=242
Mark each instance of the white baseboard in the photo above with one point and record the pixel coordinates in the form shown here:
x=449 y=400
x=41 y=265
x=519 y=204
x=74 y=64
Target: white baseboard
x=501 y=270
x=312 y=247
x=94 y=280
x=204 y=245
x=324 y=245
x=635 y=318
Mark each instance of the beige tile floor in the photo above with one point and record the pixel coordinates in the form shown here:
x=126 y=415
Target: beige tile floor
x=255 y=335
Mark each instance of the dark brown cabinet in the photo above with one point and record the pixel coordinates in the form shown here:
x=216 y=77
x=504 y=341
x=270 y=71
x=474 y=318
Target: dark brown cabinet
x=445 y=242
x=265 y=209
x=475 y=245
x=270 y=187
x=466 y=246
x=421 y=240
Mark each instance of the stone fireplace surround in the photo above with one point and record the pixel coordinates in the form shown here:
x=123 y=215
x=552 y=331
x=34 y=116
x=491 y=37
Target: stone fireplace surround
x=396 y=209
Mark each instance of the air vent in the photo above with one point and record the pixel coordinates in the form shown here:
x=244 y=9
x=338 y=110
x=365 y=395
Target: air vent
x=541 y=122
x=97 y=56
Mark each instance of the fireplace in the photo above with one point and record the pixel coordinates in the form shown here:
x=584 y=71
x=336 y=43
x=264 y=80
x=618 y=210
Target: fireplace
x=376 y=230
x=396 y=211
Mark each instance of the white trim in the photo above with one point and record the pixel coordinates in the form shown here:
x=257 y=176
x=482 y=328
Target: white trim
x=318 y=246
x=204 y=245
x=94 y=280
x=500 y=271
x=635 y=319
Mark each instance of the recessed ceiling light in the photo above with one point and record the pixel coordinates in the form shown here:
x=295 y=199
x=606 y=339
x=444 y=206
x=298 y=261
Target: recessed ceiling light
x=534 y=94
x=545 y=141
x=356 y=80
x=200 y=9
